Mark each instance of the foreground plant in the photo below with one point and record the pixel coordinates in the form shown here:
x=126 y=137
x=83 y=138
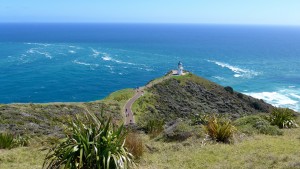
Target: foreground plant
x=91 y=144
x=283 y=118
x=220 y=130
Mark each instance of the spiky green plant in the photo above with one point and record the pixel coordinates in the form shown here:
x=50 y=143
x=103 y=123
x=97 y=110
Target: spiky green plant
x=90 y=143
x=6 y=141
x=220 y=130
x=283 y=118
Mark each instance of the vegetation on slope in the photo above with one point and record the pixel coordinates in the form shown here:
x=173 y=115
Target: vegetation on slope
x=258 y=151
x=188 y=96
x=47 y=119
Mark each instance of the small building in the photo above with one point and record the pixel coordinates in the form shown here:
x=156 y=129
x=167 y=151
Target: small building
x=180 y=68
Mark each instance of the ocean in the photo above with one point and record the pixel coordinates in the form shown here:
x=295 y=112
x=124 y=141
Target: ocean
x=85 y=62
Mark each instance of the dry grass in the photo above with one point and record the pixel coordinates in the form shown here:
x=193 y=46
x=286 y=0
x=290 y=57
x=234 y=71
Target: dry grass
x=259 y=151
x=135 y=145
x=22 y=158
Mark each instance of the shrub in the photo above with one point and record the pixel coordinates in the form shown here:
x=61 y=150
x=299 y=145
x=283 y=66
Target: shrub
x=154 y=127
x=6 y=141
x=220 y=130
x=256 y=105
x=90 y=143
x=256 y=124
x=229 y=89
x=283 y=118
x=240 y=95
x=134 y=144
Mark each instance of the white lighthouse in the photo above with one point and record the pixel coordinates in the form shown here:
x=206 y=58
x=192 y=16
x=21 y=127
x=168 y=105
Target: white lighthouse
x=180 y=68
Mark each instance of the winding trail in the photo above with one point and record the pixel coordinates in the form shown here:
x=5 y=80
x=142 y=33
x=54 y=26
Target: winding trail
x=138 y=93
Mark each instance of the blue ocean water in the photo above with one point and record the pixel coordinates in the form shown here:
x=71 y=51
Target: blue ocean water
x=86 y=62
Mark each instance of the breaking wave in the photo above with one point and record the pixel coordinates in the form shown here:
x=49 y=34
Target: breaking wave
x=39 y=44
x=281 y=98
x=244 y=73
x=85 y=64
x=95 y=53
x=72 y=51
x=35 y=51
x=107 y=57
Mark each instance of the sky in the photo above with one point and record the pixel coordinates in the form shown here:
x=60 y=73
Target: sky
x=266 y=12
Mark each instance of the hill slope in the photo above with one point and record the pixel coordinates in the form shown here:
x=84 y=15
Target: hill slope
x=186 y=96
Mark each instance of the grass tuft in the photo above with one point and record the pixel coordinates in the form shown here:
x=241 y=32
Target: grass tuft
x=220 y=130
x=135 y=145
x=6 y=141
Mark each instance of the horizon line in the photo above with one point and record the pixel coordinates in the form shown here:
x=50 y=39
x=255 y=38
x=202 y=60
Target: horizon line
x=158 y=23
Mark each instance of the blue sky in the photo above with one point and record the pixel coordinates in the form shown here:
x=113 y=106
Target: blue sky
x=278 y=12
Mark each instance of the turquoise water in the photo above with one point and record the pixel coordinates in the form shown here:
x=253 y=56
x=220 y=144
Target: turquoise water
x=85 y=62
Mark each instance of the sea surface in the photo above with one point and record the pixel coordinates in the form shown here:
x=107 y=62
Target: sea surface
x=85 y=62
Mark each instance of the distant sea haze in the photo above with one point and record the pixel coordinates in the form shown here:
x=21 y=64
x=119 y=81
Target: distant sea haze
x=85 y=62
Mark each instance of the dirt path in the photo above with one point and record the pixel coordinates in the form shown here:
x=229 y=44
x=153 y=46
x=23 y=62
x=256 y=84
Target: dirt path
x=138 y=93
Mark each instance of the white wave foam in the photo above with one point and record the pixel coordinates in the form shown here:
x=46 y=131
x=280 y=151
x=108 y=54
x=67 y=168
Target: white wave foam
x=95 y=53
x=295 y=95
x=281 y=98
x=72 y=51
x=39 y=44
x=245 y=73
x=147 y=69
x=86 y=64
x=34 y=50
x=106 y=57
x=219 y=78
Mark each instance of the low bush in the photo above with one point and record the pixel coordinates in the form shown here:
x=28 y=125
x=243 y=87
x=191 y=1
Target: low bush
x=154 y=127
x=134 y=144
x=283 y=118
x=90 y=143
x=220 y=130
x=229 y=89
x=240 y=95
x=256 y=124
x=256 y=105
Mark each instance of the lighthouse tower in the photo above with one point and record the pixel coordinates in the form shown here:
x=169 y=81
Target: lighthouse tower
x=180 y=68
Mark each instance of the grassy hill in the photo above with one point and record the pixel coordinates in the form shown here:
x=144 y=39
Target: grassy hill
x=190 y=95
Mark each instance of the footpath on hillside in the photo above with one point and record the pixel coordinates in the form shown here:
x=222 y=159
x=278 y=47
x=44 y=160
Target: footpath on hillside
x=138 y=93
